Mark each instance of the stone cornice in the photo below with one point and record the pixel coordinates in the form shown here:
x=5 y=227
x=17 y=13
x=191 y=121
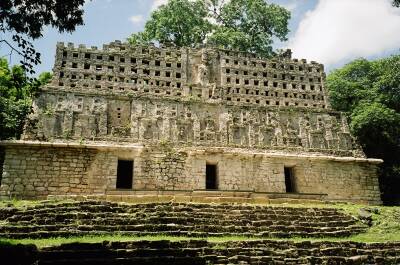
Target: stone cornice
x=193 y=151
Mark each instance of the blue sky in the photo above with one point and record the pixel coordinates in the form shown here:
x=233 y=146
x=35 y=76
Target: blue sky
x=332 y=32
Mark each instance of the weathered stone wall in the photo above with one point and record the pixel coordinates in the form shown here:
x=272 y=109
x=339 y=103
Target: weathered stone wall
x=209 y=74
x=186 y=95
x=39 y=171
x=172 y=111
x=339 y=179
x=35 y=172
x=165 y=170
x=73 y=116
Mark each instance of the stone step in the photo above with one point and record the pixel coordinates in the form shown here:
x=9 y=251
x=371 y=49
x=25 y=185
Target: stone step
x=159 y=219
x=266 y=213
x=128 y=261
x=105 y=204
x=202 y=252
x=172 y=232
x=186 y=196
x=72 y=218
x=172 y=226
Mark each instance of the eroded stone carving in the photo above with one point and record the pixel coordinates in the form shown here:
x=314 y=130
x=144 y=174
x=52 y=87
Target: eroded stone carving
x=192 y=124
x=188 y=97
x=203 y=75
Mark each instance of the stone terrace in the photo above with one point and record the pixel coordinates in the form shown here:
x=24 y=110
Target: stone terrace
x=183 y=219
x=203 y=252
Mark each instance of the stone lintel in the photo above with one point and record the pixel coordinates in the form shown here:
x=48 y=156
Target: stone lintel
x=193 y=151
x=97 y=145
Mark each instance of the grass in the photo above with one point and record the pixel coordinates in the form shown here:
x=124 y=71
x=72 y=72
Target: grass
x=41 y=243
x=386 y=228
x=386 y=222
x=20 y=204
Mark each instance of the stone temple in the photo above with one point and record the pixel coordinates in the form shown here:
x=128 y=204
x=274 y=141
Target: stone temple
x=160 y=120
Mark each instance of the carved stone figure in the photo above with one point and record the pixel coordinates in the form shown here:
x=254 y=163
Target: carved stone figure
x=202 y=70
x=184 y=127
x=345 y=126
x=345 y=141
x=210 y=130
x=150 y=129
x=278 y=134
x=237 y=130
x=196 y=128
x=305 y=129
x=291 y=134
x=98 y=109
x=216 y=92
x=68 y=122
x=329 y=137
x=182 y=134
x=318 y=135
x=224 y=120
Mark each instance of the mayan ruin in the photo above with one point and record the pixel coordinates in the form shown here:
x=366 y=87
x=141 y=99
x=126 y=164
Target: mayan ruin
x=147 y=118
x=193 y=132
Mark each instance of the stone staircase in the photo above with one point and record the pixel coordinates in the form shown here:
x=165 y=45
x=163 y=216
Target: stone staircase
x=175 y=219
x=197 y=196
x=196 y=252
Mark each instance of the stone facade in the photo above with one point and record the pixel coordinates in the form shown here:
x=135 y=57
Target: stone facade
x=173 y=111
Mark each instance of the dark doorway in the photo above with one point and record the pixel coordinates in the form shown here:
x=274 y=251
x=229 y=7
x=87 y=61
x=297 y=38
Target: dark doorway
x=211 y=177
x=289 y=179
x=124 y=174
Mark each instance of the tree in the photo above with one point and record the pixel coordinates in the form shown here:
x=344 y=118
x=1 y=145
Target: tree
x=369 y=92
x=25 y=20
x=351 y=84
x=181 y=22
x=250 y=25
x=388 y=81
x=246 y=25
x=16 y=92
x=396 y=3
x=377 y=127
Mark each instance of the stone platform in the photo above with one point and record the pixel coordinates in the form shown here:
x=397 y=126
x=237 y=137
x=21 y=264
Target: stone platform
x=35 y=170
x=198 y=196
x=198 y=252
x=66 y=219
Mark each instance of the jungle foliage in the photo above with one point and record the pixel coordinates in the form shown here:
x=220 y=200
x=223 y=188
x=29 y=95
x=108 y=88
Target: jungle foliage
x=16 y=92
x=369 y=92
x=25 y=20
x=246 y=25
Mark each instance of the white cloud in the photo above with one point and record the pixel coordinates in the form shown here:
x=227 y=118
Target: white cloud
x=157 y=3
x=88 y=2
x=291 y=6
x=136 y=19
x=345 y=29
